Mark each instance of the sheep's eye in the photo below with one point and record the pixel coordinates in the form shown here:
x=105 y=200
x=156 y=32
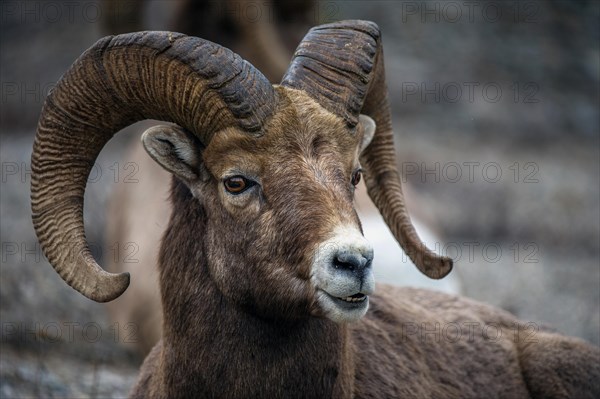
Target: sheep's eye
x=237 y=184
x=356 y=177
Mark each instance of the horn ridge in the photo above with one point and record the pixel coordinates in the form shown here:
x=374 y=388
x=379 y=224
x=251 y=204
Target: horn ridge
x=333 y=64
x=122 y=79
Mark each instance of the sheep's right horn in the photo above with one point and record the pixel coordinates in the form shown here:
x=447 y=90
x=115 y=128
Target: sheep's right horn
x=340 y=65
x=195 y=83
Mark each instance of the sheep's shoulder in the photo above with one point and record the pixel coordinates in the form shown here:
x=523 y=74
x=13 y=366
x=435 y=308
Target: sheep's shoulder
x=421 y=343
x=148 y=383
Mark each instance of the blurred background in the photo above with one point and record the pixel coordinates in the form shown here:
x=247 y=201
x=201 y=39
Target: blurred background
x=496 y=115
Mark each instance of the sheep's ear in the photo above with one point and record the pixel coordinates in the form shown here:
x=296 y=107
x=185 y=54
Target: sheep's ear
x=176 y=150
x=368 y=126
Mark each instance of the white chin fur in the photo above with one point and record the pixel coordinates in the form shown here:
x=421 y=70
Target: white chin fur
x=333 y=285
x=341 y=313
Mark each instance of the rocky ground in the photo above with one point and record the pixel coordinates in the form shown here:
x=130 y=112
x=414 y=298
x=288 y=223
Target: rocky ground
x=510 y=184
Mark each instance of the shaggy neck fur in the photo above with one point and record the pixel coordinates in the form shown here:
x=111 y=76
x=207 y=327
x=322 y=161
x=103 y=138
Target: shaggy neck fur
x=211 y=347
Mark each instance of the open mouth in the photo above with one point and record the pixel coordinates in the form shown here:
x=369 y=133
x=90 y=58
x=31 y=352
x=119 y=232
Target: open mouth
x=344 y=308
x=354 y=298
x=348 y=302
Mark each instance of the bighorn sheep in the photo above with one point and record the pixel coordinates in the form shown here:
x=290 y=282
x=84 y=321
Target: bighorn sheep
x=265 y=276
x=268 y=44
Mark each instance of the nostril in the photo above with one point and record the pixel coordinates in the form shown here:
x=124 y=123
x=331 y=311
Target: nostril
x=343 y=265
x=350 y=261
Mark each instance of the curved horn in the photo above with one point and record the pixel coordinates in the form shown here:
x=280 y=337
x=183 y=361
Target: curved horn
x=341 y=66
x=123 y=79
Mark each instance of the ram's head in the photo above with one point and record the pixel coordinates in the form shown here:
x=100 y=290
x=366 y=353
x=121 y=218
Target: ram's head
x=273 y=168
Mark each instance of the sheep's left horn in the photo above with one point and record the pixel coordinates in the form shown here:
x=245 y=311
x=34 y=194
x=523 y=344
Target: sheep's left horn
x=340 y=65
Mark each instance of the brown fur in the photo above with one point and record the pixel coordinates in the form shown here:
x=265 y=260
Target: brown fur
x=268 y=44
x=240 y=316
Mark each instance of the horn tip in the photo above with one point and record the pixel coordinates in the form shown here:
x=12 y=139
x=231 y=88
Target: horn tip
x=114 y=288
x=436 y=267
x=446 y=265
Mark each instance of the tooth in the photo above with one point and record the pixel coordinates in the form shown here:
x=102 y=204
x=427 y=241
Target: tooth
x=353 y=299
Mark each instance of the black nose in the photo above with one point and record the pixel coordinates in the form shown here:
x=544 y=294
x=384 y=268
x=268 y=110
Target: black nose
x=352 y=260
